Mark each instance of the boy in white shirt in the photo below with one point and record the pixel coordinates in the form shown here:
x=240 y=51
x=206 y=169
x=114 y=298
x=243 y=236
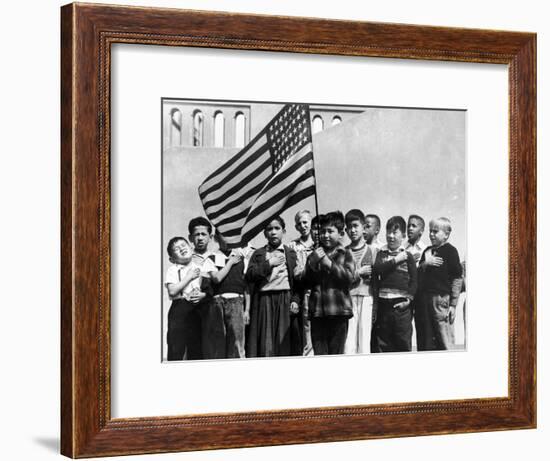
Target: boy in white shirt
x=414 y=244
x=184 y=285
x=360 y=325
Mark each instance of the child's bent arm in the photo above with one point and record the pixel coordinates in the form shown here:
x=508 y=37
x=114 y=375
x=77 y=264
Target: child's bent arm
x=258 y=269
x=217 y=277
x=344 y=271
x=175 y=289
x=383 y=265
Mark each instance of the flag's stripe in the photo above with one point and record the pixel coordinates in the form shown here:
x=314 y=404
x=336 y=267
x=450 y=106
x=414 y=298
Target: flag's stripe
x=233 y=228
x=275 y=195
x=295 y=198
x=290 y=167
x=212 y=188
x=207 y=182
x=251 y=178
x=242 y=201
x=303 y=190
x=278 y=194
x=233 y=242
x=287 y=175
x=253 y=189
x=240 y=216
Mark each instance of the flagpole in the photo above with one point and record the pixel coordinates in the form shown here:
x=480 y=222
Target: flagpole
x=316 y=241
x=315 y=176
x=316 y=204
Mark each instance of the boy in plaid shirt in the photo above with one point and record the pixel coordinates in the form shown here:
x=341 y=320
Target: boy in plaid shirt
x=329 y=273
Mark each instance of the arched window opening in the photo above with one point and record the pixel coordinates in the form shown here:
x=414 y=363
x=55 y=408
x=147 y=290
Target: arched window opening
x=239 y=129
x=198 y=128
x=219 y=129
x=318 y=124
x=175 y=127
x=336 y=120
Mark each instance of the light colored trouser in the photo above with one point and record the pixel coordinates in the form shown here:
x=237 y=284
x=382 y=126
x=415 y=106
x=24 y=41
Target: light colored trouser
x=444 y=331
x=359 y=326
x=433 y=330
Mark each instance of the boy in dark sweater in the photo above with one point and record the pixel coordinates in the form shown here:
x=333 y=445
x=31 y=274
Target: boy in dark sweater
x=396 y=280
x=440 y=274
x=231 y=297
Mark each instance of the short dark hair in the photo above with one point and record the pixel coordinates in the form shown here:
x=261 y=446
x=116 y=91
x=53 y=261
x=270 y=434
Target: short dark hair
x=418 y=218
x=375 y=217
x=396 y=222
x=172 y=242
x=354 y=215
x=277 y=218
x=199 y=221
x=334 y=218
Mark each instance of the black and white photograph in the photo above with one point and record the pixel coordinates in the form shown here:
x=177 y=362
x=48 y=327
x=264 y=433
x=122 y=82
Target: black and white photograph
x=295 y=229
x=210 y=185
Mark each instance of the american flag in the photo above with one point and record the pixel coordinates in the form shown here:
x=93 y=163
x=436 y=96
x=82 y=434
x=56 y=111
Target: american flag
x=272 y=173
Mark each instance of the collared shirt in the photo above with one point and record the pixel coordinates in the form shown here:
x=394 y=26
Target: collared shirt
x=302 y=250
x=176 y=273
x=416 y=250
x=278 y=278
x=363 y=256
x=219 y=259
x=299 y=245
x=204 y=262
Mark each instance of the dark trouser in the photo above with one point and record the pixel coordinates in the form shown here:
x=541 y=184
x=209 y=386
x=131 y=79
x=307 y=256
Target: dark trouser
x=393 y=327
x=184 y=331
x=213 y=330
x=328 y=335
x=269 y=332
x=296 y=334
x=233 y=321
x=433 y=330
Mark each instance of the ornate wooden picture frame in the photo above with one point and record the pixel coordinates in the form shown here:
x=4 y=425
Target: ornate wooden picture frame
x=88 y=31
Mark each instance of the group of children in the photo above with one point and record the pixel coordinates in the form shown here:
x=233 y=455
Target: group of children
x=313 y=296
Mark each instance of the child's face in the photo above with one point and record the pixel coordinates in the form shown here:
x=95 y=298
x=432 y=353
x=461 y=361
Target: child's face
x=200 y=238
x=329 y=237
x=355 y=230
x=394 y=238
x=438 y=235
x=274 y=233
x=414 y=229
x=181 y=253
x=371 y=229
x=303 y=225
